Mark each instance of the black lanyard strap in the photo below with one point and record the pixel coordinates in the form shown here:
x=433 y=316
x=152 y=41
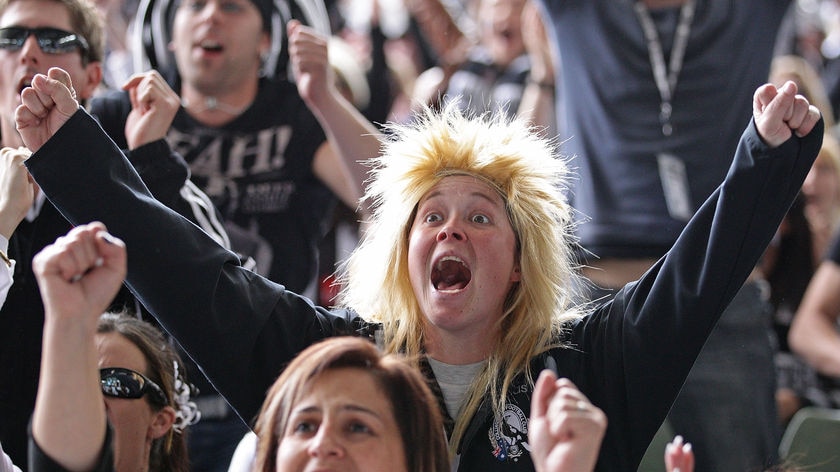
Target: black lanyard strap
x=666 y=79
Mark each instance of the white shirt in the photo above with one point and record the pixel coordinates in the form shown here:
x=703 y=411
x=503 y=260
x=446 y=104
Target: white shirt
x=7 y=272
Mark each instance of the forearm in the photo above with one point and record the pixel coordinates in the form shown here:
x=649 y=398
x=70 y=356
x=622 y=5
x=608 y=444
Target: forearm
x=814 y=333
x=350 y=134
x=538 y=97
x=537 y=105
x=818 y=343
x=68 y=422
x=9 y=221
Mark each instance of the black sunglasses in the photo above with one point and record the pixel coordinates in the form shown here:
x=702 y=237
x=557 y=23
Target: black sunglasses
x=50 y=40
x=125 y=383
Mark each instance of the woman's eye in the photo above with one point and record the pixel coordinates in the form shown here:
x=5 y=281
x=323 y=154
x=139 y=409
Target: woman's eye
x=433 y=218
x=480 y=219
x=304 y=427
x=359 y=428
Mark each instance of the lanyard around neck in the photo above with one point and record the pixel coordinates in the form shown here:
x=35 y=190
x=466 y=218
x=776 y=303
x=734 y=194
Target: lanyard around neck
x=666 y=80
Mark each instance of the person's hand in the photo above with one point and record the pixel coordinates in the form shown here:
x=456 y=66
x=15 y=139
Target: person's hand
x=153 y=107
x=309 y=56
x=781 y=113
x=678 y=456
x=565 y=429
x=46 y=105
x=17 y=189
x=537 y=43
x=80 y=273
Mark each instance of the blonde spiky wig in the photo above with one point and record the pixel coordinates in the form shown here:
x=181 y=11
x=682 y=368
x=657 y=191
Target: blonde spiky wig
x=526 y=171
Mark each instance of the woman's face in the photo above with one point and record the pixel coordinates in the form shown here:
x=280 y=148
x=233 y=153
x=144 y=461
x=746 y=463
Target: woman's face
x=134 y=422
x=462 y=258
x=342 y=421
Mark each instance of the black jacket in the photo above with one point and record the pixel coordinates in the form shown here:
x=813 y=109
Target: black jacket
x=630 y=356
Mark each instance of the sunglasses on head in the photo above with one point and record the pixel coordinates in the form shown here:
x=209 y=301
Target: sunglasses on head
x=126 y=383
x=50 y=40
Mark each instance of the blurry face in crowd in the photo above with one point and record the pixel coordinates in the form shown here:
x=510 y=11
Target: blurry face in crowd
x=342 y=421
x=217 y=44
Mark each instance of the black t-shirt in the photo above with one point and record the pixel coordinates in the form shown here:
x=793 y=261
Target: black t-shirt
x=257 y=170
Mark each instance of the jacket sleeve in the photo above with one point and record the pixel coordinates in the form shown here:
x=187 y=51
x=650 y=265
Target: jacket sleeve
x=163 y=170
x=167 y=176
x=641 y=346
x=39 y=461
x=240 y=328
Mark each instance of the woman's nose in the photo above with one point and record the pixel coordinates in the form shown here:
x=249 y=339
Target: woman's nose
x=325 y=444
x=451 y=231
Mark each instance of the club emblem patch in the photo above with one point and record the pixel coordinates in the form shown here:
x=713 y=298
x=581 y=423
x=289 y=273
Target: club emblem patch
x=509 y=437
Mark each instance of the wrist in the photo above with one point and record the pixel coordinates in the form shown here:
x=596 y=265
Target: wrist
x=325 y=104
x=545 y=85
x=7 y=228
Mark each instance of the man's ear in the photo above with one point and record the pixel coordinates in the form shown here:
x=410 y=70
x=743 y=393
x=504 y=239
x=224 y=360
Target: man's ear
x=162 y=422
x=265 y=45
x=93 y=76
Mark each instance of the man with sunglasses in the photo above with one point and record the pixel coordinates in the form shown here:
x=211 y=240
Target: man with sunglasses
x=34 y=36
x=50 y=40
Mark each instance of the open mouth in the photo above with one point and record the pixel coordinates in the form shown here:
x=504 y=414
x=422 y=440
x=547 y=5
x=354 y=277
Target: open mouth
x=210 y=46
x=450 y=274
x=23 y=84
